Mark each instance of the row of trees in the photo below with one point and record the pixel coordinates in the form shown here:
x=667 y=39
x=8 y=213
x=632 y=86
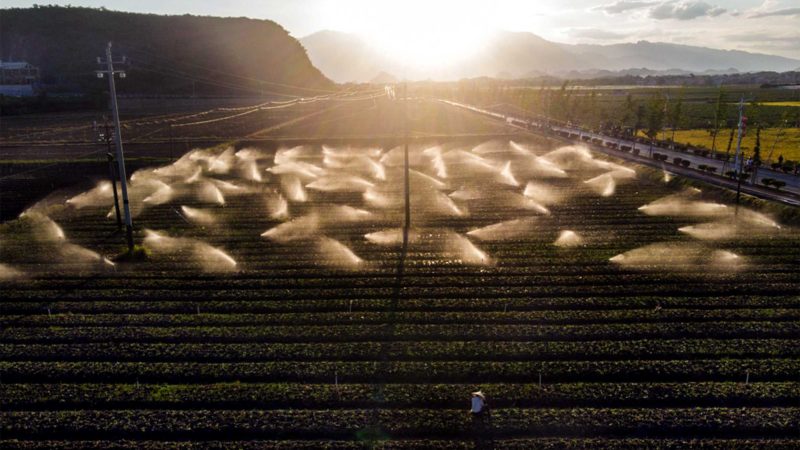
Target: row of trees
x=656 y=114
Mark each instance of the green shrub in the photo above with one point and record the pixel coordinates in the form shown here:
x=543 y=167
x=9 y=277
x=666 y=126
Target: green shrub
x=138 y=253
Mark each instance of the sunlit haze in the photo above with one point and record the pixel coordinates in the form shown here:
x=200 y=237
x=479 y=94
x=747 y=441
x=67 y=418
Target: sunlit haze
x=423 y=33
x=447 y=27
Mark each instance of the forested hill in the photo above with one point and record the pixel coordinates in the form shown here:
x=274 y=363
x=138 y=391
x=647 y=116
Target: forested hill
x=168 y=54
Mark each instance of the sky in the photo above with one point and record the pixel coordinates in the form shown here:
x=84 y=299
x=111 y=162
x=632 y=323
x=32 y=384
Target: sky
x=766 y=26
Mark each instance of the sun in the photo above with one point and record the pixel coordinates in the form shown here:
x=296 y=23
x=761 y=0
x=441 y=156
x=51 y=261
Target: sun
x=430 y=46
x=422 y=34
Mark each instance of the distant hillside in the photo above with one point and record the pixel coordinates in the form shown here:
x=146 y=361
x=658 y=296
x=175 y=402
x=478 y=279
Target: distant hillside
x=168 y=54
x=345 y=56
x=663 y=56
x=516 y=54
x=522 y=55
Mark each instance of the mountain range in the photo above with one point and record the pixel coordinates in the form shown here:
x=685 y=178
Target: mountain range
x=345 y=57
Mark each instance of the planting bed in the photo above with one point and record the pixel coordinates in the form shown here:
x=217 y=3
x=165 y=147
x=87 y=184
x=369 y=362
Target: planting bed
x=278 y=307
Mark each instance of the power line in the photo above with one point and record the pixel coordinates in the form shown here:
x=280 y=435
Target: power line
x=178 y=74
x=25 y=172
x=218 y=119
x=233 y=75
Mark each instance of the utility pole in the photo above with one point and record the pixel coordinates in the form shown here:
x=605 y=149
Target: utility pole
x=112 y=91
x=114 y=188
x=405 y=157
x=666 y=113
x=103 y=135
x=111 y=171
x=737 y=159
x=777 y=137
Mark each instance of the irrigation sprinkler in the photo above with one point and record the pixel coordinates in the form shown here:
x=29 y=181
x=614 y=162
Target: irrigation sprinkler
x=336 y=383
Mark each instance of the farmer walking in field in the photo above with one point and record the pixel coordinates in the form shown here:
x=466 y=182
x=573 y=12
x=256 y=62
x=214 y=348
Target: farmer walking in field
x=478 y=405
x=481 y=417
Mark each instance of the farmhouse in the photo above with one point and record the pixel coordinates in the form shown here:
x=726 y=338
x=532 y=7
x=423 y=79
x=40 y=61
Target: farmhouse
x=18 y=78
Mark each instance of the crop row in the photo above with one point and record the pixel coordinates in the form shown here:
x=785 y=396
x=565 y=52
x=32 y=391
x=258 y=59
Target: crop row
x=400 y=423
x=419 y=282
x=320 y=396
x=405 y=332
x=779 y=273
x=192 y=318
x=149 y=290
x=364 y=287
x=409 y=444
x=739 y=370
x=642 y=306
x=405 y=350
x=551 y=268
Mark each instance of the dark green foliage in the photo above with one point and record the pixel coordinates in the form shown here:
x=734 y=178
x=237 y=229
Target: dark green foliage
x=655 y=115
x=232 y=54
x=400 y=423
x=138 y=253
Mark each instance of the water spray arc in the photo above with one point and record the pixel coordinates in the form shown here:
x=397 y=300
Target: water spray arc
x=112 y=91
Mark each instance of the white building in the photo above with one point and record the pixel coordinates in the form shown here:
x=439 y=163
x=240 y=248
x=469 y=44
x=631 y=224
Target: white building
x=18 y=78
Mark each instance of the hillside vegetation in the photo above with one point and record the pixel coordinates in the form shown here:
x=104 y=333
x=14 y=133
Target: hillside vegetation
x=168 y=54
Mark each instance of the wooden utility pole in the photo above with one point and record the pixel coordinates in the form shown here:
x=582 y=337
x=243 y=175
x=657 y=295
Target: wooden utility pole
x=112 y=92
x=738 y=157
x=407 y=186
x=113 y=178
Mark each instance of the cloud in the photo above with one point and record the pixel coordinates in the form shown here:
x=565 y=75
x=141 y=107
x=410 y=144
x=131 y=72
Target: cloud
x=765 y=39
x=623 y=5
x=779 y=12
x=685 y=10
x=597 y=34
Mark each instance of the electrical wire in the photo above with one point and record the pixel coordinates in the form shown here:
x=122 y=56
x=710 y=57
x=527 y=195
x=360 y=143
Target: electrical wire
x=17 y=174
x=245 y=78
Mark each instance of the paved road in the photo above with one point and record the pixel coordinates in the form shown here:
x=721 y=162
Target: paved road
x=792 y=181
x=790 y=194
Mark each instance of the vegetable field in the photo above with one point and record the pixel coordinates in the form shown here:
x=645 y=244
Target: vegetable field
x=278 y=302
